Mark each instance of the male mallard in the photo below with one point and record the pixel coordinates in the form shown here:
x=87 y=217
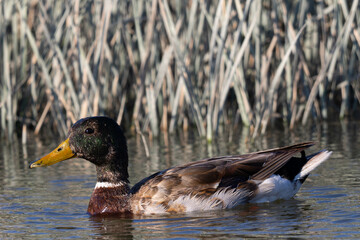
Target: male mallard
x=213 y=183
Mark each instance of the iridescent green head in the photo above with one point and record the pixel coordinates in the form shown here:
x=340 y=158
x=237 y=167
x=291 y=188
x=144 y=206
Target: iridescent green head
x=99 y=140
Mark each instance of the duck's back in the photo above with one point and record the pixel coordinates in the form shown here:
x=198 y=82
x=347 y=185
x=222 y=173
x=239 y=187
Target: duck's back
x=223 y=182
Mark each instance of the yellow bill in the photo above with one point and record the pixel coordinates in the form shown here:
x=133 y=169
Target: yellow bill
x=61 y=153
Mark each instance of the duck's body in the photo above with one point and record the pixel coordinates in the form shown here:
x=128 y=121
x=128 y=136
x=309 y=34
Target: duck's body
x=209 y=184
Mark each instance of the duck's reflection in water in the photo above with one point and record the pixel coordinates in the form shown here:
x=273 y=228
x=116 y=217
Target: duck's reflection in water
x=112 y=227
x=241 y=221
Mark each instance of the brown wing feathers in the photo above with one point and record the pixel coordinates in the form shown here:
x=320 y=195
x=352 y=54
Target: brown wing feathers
x=226 y=171
x=280 y=158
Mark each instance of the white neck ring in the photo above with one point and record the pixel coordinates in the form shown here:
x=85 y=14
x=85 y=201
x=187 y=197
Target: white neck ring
x=108 y=185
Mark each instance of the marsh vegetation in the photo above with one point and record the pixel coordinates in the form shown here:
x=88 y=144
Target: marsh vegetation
x=165 y=65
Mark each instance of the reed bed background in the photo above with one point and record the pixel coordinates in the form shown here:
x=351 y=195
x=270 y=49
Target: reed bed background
x=160 y=65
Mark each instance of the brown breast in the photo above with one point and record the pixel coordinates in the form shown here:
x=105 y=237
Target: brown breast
x=110 y=200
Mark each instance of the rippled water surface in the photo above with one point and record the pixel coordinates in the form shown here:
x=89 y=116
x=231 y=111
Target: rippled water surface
x=51 y=202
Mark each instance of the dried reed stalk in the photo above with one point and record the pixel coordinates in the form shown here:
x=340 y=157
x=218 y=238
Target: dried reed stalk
x=173 y=64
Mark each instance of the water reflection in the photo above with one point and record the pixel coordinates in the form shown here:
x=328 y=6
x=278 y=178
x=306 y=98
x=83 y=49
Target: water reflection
x=51 y=202
x=111 y=227
x=252 y=219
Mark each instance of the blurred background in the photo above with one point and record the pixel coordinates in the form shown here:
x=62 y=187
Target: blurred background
x=161 y=66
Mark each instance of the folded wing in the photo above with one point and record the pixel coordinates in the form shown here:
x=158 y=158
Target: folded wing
x=209 y=176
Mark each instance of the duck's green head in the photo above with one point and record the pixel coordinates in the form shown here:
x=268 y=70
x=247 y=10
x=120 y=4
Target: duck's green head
x=99 y=140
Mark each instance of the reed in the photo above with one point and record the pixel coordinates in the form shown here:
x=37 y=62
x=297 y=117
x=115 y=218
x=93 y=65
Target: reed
x=169 y=65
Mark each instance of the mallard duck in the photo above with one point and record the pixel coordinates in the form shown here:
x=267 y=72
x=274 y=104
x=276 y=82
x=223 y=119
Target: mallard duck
x=214 y=183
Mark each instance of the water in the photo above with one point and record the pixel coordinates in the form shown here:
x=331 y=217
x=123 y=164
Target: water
x=51 y=202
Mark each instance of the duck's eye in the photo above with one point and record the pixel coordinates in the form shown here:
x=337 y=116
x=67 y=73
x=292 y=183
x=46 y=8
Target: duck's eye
x=89 y=130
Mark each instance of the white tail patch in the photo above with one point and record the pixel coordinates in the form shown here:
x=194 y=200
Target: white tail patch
x=314 y=162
